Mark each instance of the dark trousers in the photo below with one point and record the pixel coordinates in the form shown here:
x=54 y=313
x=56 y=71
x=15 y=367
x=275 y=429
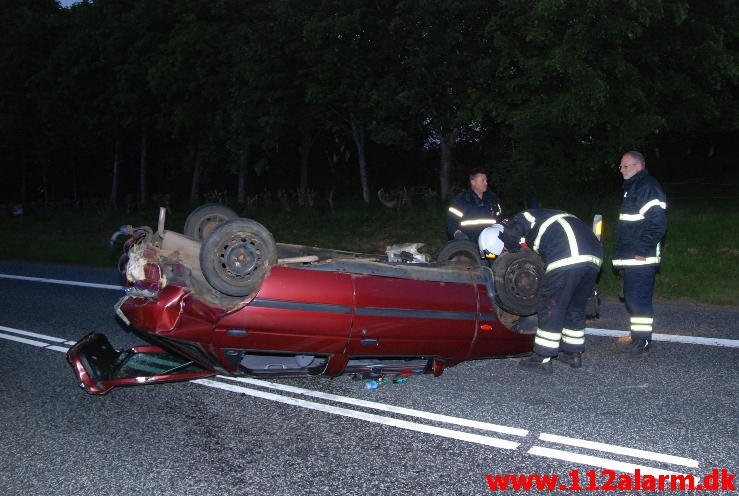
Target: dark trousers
x=638 y=288
x=562 y=300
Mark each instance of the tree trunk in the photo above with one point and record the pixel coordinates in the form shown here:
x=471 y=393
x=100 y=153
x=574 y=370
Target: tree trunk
x=116 y=172
x=358 y=135
x=45 y=185
x=243 y=162
x=70 y=160
x=305 y=147
x=448 y=141
x=23 y=186
x=74 y=185
x=143 y=190
x=195 y=185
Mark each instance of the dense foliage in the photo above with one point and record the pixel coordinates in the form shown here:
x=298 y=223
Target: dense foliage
x=120 y=100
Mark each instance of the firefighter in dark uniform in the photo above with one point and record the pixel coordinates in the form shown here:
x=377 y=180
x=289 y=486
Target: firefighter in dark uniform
x=474 y=209
x=572 y=256
x=642 y=223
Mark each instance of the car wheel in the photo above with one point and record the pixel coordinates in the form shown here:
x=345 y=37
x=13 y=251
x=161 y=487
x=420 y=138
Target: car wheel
x=236 y=256
x=518 y=278
x=460 y=251
x=201 y=221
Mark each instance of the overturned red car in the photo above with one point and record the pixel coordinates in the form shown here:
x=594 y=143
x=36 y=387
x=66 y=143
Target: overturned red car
x=224 y=298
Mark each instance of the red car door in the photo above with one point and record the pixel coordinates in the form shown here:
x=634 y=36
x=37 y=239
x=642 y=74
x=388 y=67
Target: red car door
x=413 y=317
x=295 y=311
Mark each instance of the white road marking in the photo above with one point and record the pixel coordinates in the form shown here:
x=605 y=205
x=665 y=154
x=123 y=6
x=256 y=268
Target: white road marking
x=384 y=407
x=34 y=335
x=58 y=348
x=428 y=429
x=619 y=450
x=33 y=342
x=673 y=338
x=596 y=461
x=367 y=417
x=62 y=281
x=23 y=340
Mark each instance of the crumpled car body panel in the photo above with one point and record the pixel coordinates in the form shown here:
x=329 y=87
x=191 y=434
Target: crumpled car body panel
x=339 y=313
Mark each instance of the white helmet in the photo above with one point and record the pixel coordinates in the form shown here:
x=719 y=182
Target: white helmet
x=490 y=241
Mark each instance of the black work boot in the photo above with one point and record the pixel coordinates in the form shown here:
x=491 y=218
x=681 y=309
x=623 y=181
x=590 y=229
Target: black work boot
x=574 y=359
x=639 y=348
x=537 y=363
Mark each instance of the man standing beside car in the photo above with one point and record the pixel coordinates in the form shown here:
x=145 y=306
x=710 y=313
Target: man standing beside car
x=572 y=255
x=642 y=223
x=474 y=209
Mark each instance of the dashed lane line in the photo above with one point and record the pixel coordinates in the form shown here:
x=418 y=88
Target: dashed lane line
x=619 y=450
x=413 y=426
x=596 y=461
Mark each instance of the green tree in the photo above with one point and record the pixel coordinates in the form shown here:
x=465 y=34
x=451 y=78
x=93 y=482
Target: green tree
x=444 y=57
x=30 y=32
x=354 y=70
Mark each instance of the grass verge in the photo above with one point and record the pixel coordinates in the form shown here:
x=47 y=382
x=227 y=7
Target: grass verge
x=700 y=256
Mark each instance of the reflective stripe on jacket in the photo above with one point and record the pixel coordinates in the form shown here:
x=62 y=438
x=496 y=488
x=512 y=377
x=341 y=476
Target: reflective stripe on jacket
x=562 y=240
x=642 y=221
x=471 y=214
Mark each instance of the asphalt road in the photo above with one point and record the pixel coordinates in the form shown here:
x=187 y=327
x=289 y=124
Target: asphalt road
x=673 y=413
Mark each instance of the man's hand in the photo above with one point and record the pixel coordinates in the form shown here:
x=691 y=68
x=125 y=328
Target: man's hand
x=640 y=258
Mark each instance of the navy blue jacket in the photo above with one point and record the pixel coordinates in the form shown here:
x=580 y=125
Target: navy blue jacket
x=562 y=240
x=471 y=214
x=642 y=221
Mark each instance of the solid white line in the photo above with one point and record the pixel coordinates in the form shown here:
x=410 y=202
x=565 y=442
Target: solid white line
x=606 y=332
x=428 y=429
x=619 y=450
x=673 y=338
x=61 y=281
x=33 y=342
x=367 y=417
x=33 y=335
x=384 y=407
x=23 y=340
x=58 y=348
x=596 y=461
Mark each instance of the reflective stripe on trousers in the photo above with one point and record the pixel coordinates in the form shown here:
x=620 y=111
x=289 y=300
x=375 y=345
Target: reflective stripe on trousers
x=561 y=314
x=638 y=289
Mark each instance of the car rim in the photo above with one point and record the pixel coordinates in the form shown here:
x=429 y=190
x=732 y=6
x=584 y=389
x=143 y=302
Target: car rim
x=240 y=257
x=522 y=279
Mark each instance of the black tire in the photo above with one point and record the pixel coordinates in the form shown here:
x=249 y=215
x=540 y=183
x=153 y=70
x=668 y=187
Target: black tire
x=460 y=251
x=201 y=221
x=237 y=255
x=518 y=278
